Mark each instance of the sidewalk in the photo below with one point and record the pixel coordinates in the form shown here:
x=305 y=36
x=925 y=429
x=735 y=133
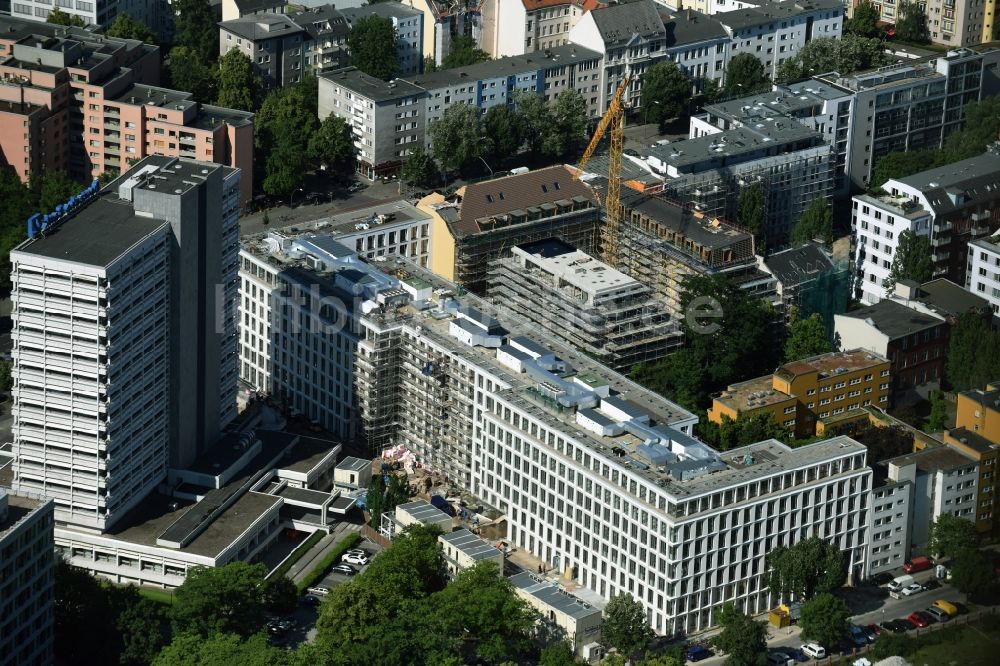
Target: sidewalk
x=316 y=554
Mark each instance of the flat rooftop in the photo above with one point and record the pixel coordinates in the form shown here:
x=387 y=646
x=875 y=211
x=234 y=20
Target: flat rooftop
x=370 y=87
x=933 y=459
x=18 y=508
x=427 y=514
x=354 y=464
x=553 y=596
x=388 y=215
x=308 y=454
x=96 y=235
x=762 y=138
x=753 y=393
x=894 y=319
x=470 y=545
x=706 y=232
x=806 y=97
x=947 y=298
x=575 y=267
x=833 y=363
x=973 y=440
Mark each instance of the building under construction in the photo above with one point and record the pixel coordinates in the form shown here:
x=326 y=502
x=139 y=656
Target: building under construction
x=662 y=241
x=585 y=303
x=483 y=221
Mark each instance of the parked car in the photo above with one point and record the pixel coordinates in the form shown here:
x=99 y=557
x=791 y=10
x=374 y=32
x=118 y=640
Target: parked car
x=874 y=629
x=858 y=636
x=779 y=659
x=356 y=187
x=917 y=564
x=799 y=655
x=932 y=584
x=311 y=600
x=357 y=551
x=354 y=558
x=894 y=626
x=697 y=653
x=906 y=624
x=343 y=570
x=918 y=620
x=814 y=650
x=319 y=591
x=910 y=590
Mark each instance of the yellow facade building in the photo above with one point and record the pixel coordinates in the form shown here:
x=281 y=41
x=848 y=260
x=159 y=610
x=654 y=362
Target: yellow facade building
x=977 y=433
x=809 y=395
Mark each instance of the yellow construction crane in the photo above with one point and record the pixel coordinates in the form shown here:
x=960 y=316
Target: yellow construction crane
x=615 y=117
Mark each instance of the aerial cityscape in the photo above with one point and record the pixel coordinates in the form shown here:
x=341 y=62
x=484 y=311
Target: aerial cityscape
x=499 y=332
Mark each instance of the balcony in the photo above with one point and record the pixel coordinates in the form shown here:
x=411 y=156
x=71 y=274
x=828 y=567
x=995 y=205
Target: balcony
x=112 y=125
x=938 y=241
x=979 y=229
x=940 y=256
x=941 y=227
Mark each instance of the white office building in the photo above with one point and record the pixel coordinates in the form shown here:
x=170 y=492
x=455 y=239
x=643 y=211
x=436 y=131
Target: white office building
x=124 y=337
x=983 y=271
x=598 y=477
x=890 y=524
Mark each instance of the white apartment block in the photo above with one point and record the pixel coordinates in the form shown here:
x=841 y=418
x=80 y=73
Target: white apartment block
x=386 y=118
x=514 y=27
x=890 y=526
x=775 y=31
x=983 y=271
x=877 y=223
x=26 y=559
x=125 y=337
x=389 y=119
x=952 y=205
x=941 y=479
x=597 y=477
x=91 y=12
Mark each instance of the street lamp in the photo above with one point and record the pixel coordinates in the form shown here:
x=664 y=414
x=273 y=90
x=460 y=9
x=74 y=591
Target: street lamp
x=292 y=196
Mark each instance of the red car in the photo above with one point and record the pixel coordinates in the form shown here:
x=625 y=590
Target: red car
x=876 y=629
x=916 y=619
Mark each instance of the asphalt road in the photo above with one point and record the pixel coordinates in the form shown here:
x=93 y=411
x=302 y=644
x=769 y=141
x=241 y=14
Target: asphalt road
x=873 y=606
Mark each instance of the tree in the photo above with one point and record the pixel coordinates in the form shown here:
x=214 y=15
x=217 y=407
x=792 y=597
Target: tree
x=742 y=639
x=333 y=145
x=83 y=616
x=625 y=625
x=54 y=188
x=750 y=213
x=419 y=168
x=748 y=428
x=911 y=23
x=19 y=203
x=463 y=52
x=455 y=136
x=816 y=223
x=373 y=499
x=710 y=90
x=681 y=378
x=139 y=625
x=745 y=76
x=127 y=27
x=980 y=129
x=864 y=21
x=558 y=653
x=911 y=261
x=901 y=165
x=59 y=17
x=972 y=572
x=951 y=535
x=237 y=83
x=502 y=131
x=186 y=71
x=534 y=119
x=228 y=599
x=218 y=649
x=569 y=125
x=807 y=337
x=845 y=55
x=284 y=124
x=973 y=353
x=939 y=413
x=372 y=45
x=810 y=566
x=824 y=619
x=196 y=29
x=665 y=92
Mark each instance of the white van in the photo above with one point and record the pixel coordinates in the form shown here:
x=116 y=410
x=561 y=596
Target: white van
x=897 y=585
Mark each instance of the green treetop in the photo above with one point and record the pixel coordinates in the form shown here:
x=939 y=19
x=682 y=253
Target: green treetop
x=665 y=92
x=59 y=17
x=372 y=44
x=127 y=27
x=911 y=261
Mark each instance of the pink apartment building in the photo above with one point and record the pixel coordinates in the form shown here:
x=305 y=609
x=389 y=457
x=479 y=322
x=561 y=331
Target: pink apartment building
x=86 y=103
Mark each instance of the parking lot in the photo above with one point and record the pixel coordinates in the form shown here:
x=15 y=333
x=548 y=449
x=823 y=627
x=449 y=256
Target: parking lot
x=332 y=580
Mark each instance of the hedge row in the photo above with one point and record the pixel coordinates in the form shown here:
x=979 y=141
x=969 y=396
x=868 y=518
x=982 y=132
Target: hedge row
x=316 y=575
x=297 y=554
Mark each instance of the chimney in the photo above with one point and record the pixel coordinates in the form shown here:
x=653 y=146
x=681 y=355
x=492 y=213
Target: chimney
x=907 y=289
